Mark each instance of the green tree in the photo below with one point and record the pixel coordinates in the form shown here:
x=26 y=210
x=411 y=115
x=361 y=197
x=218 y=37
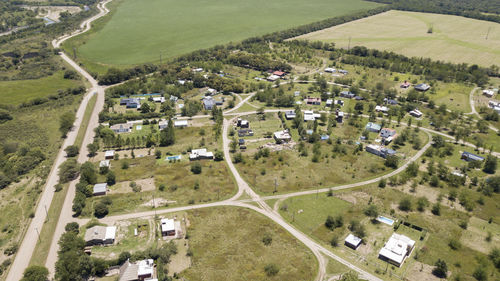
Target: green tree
x=372 y=212
x=35 y=273
x=72 y=150
x=68 y=170
x=490 y=165
x=167 y=135
x=110 y=178
x=271 y=269
x=88 y=173
x=72 y=226
x=66 y=123
x=100 y=210
x=196 y=168
x=93 y=148
x=405 y=205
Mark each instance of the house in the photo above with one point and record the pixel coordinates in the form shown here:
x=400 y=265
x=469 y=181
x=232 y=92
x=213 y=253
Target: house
x=467 y=156
x=199 y=69
x=359 y=98
x=405 y=85
x=290 y=115
x=488 y=93
x=325 y=137
x=162 y=124
x=174 y=98
x=245 y=133
x=416 y=113
x=457 y=173
x=347 y=94
x=181 y=82
x=242 y=123
x=339 y=102
x=211 y=92
x=208 y=103
x=387 y=135
x=390 y=101
x=121 y=128
x=109 y=154
x=309 y=132
x=104 y=163
x=273 y=78
x=396 y=249
x=352 y=241
x=168 y=227
x=329 y=102
x=383 y=109
x=422 y=87
x=180 y=123
x=100 y=189
x=330 y=70
x=100 y=235
x=313 y=101
x=279 y=73
x=138 y=271
x=342 y=71
x=296 y=93
x=380 y=150
x=373 y=127
x=282 y=136
x=309 y=116
x=202 y=153
x=241 y=142
x=340 y=116
x=158 y=99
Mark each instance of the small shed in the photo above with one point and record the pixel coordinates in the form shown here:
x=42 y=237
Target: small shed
x=352 y=241
x=100 y=189
x=109 y=154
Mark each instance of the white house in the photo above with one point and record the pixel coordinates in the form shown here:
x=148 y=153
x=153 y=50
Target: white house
x=488 y=93
x=202 y=153
x=383 y=109
x=416 y=113
x=330 y=70
x=100 y=189
x=180 y=123
x=168 y=227
x=282 y=136
x=109 y=154
x=396 y=249
x=309 y=116
x=100 y=235
x=140 y=270
x=104 y=163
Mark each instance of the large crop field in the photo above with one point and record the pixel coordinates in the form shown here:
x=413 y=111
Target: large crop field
x=139 y=30
x=455 y=39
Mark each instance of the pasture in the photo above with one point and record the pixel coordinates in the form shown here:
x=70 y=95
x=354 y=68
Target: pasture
x=454 y=39
x=139 y=31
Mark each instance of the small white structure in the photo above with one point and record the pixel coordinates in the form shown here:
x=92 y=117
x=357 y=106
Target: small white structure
x=282 y=136
x=330 y=70
x=180 y=123
x=202 y=153
x=199 y=69
x=121 y=128
x=352 y=241
x=329 y=102
x=100 y=235
x=383 y=109
x=168 y=227
x=273 y=78
x=290 y=115
x=162 y=124
x=159 y=99
x=100 y=189
x=416 y=113
x=211 y=92
x=396 y=249
x=104 y=163
x=109 y=154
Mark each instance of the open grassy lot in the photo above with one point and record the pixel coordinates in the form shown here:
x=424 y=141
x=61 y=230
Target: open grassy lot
x=18 y=91
x=454 y=39
x=227 y=245
x=139 y=31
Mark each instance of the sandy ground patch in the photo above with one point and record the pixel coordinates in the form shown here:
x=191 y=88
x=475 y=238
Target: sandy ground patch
x=476 y=233
x=124 y=186
x=53 y=12
x=125 y=153
x=421 y=272
x=354 y=197
x=158 y=202
x=181 y=260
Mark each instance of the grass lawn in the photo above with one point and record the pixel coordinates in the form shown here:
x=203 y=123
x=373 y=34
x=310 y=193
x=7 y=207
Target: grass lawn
x=141 y=31
x=455 y=39
x=19 y=91
x=227 y=245
x=85 y=120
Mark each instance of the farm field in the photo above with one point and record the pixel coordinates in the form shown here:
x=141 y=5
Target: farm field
x=455 y=39
x=139 y=31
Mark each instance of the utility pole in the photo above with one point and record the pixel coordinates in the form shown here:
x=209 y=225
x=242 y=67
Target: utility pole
x=74 y=53
x=349 y=45
x=488 y=33
x=275 y=185
x=46 y=212
x=160 y=57
x=38 y=234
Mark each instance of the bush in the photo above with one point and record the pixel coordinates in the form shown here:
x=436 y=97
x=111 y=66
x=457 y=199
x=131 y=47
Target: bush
x=101 y=210
x=455 y=244
x=110 y=178
x=441 y=269
x=405 y=205
x=335 y=241
x=271 y=269
x=218 y=155
x=35 y=273
x=382 y=183
x=332 y=223
x=72 y=150
x=436 y=209
x=125 y=165
x=267 y=239
x=196 y=168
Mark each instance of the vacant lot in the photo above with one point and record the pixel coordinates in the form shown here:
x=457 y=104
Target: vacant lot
x=227 y=245
x=454 y=39
x=18 y=91
x=139 y=31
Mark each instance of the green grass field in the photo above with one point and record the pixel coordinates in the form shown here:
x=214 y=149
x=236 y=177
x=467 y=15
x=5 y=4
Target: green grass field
x=454 y=38
x=138 y=31
x=227 y=245
x=18 y=91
